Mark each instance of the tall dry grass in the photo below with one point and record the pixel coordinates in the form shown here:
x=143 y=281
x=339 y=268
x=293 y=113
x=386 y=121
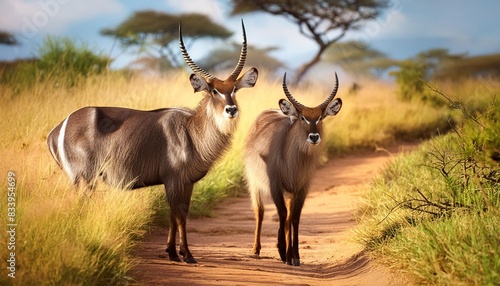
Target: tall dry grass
x=374 y=117
x=66 y=237
x=434 y=214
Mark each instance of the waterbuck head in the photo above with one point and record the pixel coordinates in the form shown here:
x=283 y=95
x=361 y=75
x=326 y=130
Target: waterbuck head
x=310 y=118
x=221 y=92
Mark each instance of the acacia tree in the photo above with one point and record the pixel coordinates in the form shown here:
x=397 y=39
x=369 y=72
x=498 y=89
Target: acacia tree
x=156 y=33
x=223 y=58
x=7 y=38
x=323 y=21
x=358 y=58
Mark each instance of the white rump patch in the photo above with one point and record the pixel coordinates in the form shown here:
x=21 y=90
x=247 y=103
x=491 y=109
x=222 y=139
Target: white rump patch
x=51 y=146
x=61 y=150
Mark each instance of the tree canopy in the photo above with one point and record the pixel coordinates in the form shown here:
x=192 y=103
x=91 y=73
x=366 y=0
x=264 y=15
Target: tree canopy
x=156 y=32
x=7 y=38
x=223 y=58
x=358 y=58
x=323 y=21
x=413 y=73
x=476 y=66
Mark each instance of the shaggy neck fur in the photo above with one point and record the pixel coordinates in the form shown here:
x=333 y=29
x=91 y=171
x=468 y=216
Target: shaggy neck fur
x=212 y=132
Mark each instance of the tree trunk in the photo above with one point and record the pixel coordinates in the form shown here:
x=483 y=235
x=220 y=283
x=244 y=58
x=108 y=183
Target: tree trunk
x=304 y=68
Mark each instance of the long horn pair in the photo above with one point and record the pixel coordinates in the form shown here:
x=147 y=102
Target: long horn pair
x=332 y=95
x=300 y=106
x=295 y=103
x=243 y=56
x=196 y=69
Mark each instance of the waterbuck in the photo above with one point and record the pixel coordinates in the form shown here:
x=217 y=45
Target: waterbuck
x=281 y=155
x=175 y=147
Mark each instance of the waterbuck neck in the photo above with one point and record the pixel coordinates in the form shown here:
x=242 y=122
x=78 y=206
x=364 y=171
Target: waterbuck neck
x=210 y=131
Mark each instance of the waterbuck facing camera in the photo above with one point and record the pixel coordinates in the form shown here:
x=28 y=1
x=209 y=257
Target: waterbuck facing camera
x=175 y=147
x=281 y=154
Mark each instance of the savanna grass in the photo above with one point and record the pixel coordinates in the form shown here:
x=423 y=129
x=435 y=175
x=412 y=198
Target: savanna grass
x=375 y=117
x=434 y=214
x=66 y=236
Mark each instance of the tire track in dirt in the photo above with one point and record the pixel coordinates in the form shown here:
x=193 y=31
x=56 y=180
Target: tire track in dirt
x=222 y=245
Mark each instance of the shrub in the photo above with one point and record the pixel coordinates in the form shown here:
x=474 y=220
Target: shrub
x=410 y=79
x=62 y=57
x=60 y=60
x=433 y=213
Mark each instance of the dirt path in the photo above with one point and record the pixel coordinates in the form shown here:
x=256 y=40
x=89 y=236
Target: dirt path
x=222 y=245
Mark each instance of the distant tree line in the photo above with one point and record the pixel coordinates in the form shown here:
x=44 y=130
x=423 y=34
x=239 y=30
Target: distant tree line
x=7 y=38
x=152 y=36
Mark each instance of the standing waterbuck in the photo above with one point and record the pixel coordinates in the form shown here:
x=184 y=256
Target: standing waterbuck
x=281 y=155
x=175 y=147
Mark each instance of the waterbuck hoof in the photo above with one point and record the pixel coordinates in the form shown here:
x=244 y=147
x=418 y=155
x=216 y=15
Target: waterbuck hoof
x=190 y=260
x=283 y=257
x=172 y=255
x=175 y=258
x=294 y=262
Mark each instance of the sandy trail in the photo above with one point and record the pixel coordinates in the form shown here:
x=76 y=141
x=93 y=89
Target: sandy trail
x=222 y=245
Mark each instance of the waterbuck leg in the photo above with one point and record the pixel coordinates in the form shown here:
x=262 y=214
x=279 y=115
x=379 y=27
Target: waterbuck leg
x=296 y=210
x=279 y=201
x=259 y=216
x=182 y=211
x=281 y=239
x=295 y=246
x=288 y=232
x=184 y=249
x=172 y=232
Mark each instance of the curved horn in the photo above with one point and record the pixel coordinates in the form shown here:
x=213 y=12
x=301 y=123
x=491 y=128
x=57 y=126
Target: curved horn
x=243 y=56
x=332 y=95
x=295 y=103
x=196 y=69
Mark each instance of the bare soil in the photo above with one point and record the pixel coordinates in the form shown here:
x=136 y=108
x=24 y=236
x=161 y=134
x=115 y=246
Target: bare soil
x=222 y=244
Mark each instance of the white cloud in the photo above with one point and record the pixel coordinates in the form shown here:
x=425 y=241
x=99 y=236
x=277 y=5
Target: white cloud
x=211 y=8
x=29 y=17
x=265 y=31
x=393 y=24
x=411 y=19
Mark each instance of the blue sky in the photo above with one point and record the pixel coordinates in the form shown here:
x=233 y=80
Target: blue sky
x=408 y=27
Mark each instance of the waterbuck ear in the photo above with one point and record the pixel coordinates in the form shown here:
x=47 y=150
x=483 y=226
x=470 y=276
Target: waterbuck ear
x=248 y=79
x=198 y=83
x=333 y=107
x=288 y=109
